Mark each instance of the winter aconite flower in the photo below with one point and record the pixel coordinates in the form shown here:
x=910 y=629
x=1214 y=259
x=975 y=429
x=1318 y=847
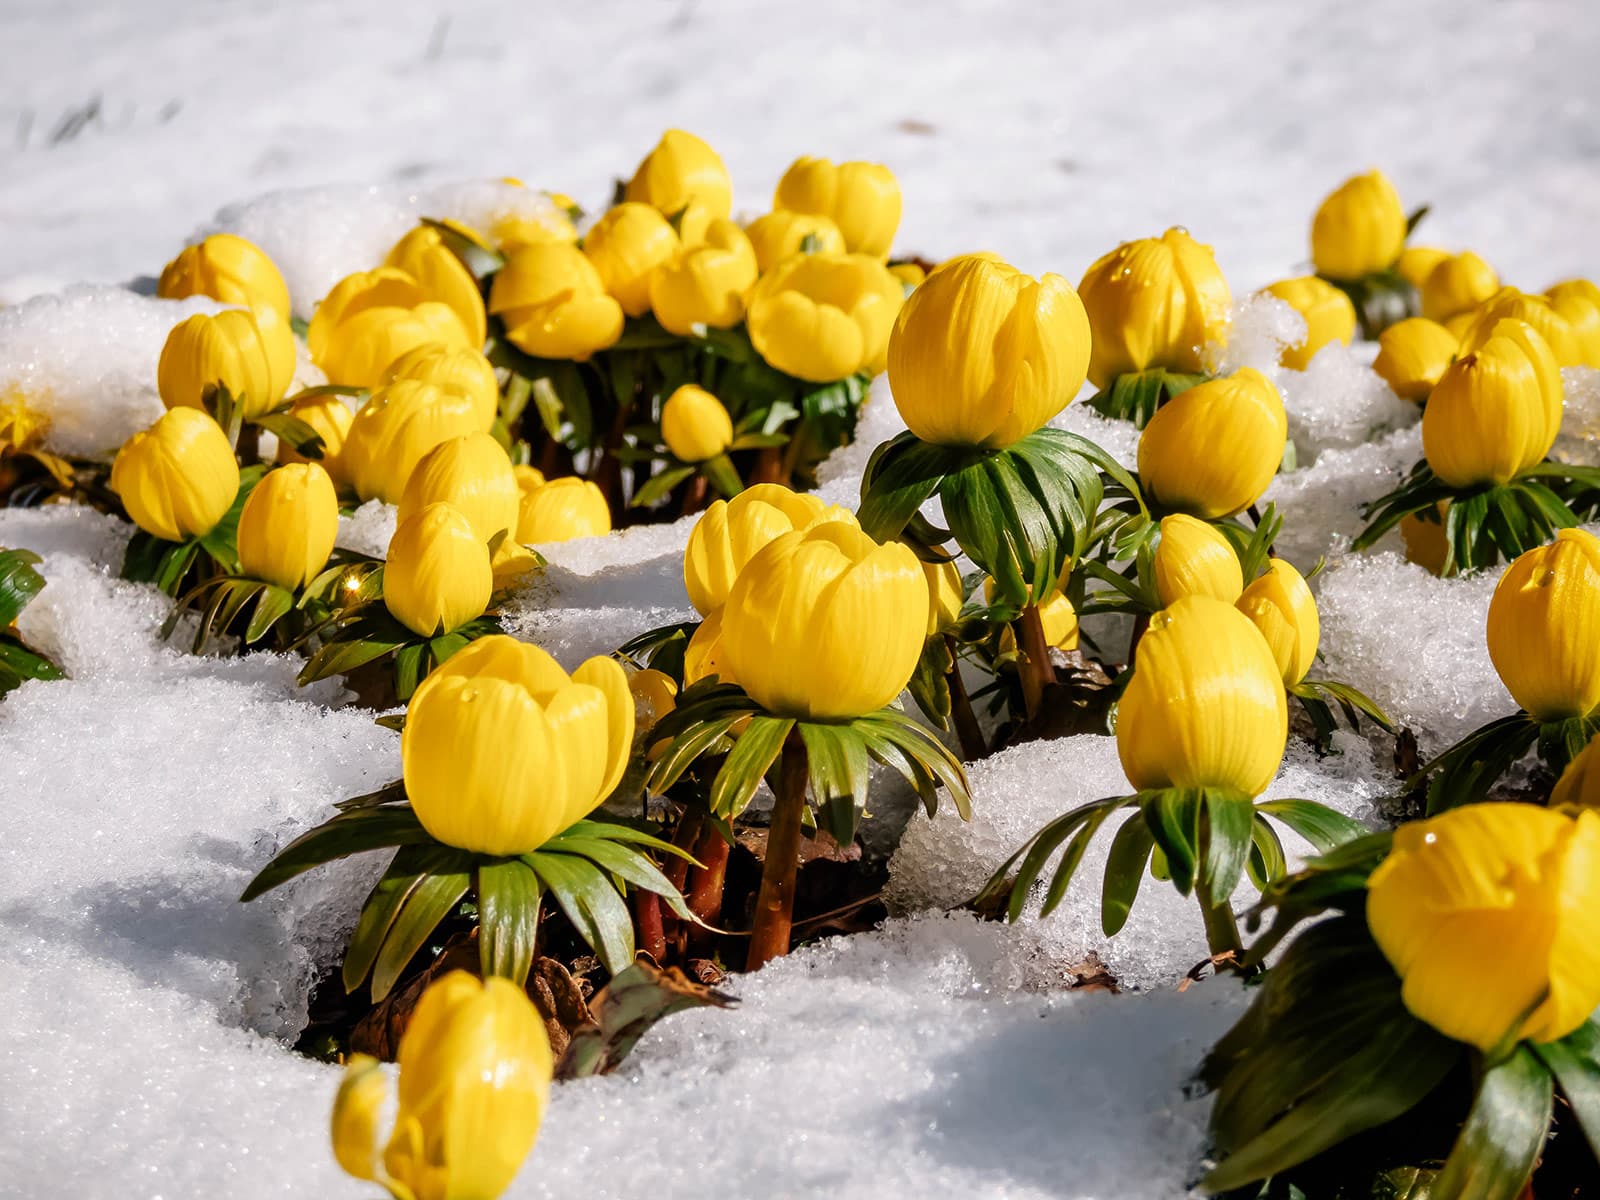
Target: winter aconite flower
x=705 y=285
x=1416 y=263
x=731 y=532
x=946 y=595
x=395 y=428
x=1359 y=229
x=783 y=232
x=1537 y=311
x=424 y=256
x=627 y=246
x=329 y=418
x=1544 y=627
x=1212 y=450
x=288 y=526
x=824 y=317
x=371 y=318
x=436 y=576
x=1457 y=284
x=561 y=510
x=1281 y=606
x=204 y=356
x=684 y=177
x=177 y=478
x=459 y=367
x=861 y=198
x=226 y=268
x=474 y=474
x=983 y=355
x=1413 y=355
x=1490 y=915
x=1328 y=314
x=694 y=424
x=554 y=303
x=1193 y=559
x=1578 y=301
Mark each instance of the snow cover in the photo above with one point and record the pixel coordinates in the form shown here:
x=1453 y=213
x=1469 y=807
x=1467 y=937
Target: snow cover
x=148 y=1012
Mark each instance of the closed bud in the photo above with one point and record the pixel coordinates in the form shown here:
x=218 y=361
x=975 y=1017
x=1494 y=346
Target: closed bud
x=1359 y=229
x=654 y=696
x=1494 y=412
x=861 y=198
x=458 y=367
x=705 y=285
x=537 y=225
x=824 y=317
x=562 y=510
x=330 y=418
x=473 y=474
x=400 y=423
x=694 y=424
x=178 y=478
x=1059 y=620
x=1328 y=314
x=1205 y=706
x=436 y=576
x=1281 y=606
x=1578 y=301
x=226 y=268
x=1544 y=627
x=682 y=170
x=783 y=232
x=946 y=595
x=627 y=246
x=1416 y=262
x=554 y=304
x=1425 y=541
x=704 y=657
x=288 y=526
x=423 y=255
x=511 y=563
x=1457 y=284
x=731 y=532
x=1509 y=884
x=909 y=274
x=528 y=478
x=372 y=318
x=1194 y=559
x=983 y=355
x=1211 y=451
x=1510 y=304
x=1413 y=355
x=1154 y=302
x=203 y=355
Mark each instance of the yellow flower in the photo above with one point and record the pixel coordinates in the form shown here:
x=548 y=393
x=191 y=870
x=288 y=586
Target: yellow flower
x=371 y=318
x=826 y=624
x=682 y=170
x=473 y=474
x=288 y=526
x=459 y=367
x=226 y=268
x=399 y=424
x=704 y=656
x=1328 y=314
x=562 y=510
x=1458 y=284
x=1487 y=914
x=945 y=595
x=1359 y=229
x=983 y=355
x=1494 y=412
x=783 y=233
x=1413 y=355
x=1544 y=627
x=1281 y=606
x=1537 y=311
x=330 y=418
x=626 y=246
x=1194 y=559
x=423 y=255
x=1211 y=451
x=1154 y=302
x=1579 y=785
x=1059 y=620
x=1417 y=261
x=732 y=532
x=1424 y=540
x=203 y=354
x=705 y=284
x=1205 y=706
x=502 y=750
x=1578 y=301
x=694 y=424
x=436 y=576
x=528 y=478
x=475 y=1070
x=654 y=696
x=24 y=432
x=823 y=317
x=908 y=273
x=178 y=478
x=510 y=562
x=549 y=222
x=553 y=303
x=861 y=198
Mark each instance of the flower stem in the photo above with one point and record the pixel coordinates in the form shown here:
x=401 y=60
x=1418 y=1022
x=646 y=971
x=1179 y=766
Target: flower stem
x=647 y=920
x=706 y=885
x=1222 y=930
x=1036 y=669
x=769 y=938
x=968 y=732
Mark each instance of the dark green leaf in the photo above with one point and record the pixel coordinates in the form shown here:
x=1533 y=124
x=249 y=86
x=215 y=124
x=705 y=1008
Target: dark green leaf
x=900 y=476
x=1575 y=1062
x=409 y=867
x=1320 y=825
x=301 y=437
x=1125 y=866
x=426 y=905
x=19 y=583
x=508 y=918
x=272 y=604
x=625 y=863
x=1494 y=1156
x=348 y=833
x=591 y=903
x=659 y=485
x=747 y=763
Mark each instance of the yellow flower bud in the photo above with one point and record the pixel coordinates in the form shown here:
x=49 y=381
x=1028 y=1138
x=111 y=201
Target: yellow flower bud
x=694 y=424
x=1328 y=314
x=1359 y=229
x=395 y=428
x=1416 y=262
x=731 y=532
x=704 y=656
x=626 y=246
x=288 y=526
x=549 y=223
x=472 y=473
x=554 y=304
x=1505 y=884
x=203 y=354
x=371 y=318
x=823 y=317
x=502 y=750
x=681 y=169
x=1413 y=355
x=562 y=510
x=1544 y=627
x=1205 y=706
x=1456 y=285
x=330 y=418
x=1579 y=785
x=945 y=595
x=654 y=696
x=1425 y=541
x=1281 y=606
x=1059 y=620
x=226 y=268
x=437 y=576
x=1212 y=451
x=528 y=478
x=861 y=198
x=1537 y=311
x=1155 y=302
x=1194 y=559
x=1490 y=416
x=1578 y=301
x=826 y=624
x=908 y=273
x=783 y=233
x=705 y=284
x=423 y=255
x=459 y=367
x=178 y=478
x=983 y=355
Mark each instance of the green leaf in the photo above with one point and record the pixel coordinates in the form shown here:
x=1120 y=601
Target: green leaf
x=1499 y=1146
x=408 y=868
x=301 y=437
x=19 y=583
x=222 y=542
x=1173 y=815
x=19 y=664
x=591 y=903
x=411 y=663
x=351 y=832
x=900 y=476
x=273 y=603
x=1267 y=862
x=1072 y=858
x=1125 y=866
x=424 y=907
x=1225 y=842
x=659 y=485
x=747 y=763
x=508 y=918
x=839 y=770
x=724 y=476
x=1320 y=825
x=1467 y=770
x=1575 y=1062
x=609 y=832
x=340 y=657
x=625 y=863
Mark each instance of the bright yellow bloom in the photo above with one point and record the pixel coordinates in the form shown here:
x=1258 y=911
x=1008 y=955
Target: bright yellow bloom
x=1205 y=706
x=908 y=273
x=1281 y=606
x=1544 y=627
x=1579 y=785
x=562 y=510
x=683 y=171
x=705 y=284
x=554 y=304
x=732 y=532
x=1194 y=559
x=1154 y=302
x=472 y=473
x=1359 y=229
x=288 y=526
x=1578 y=300
x=528 y=478
x=226 y=268
x=203 y=354
x=1537 y=311
x=330 y=417
x=654 y=696
x=399 y=424
x=436 y=576
x=1417 y=262
x=627 y=246
x=704 y=656
x=945 y=595
x=459 y=367
x=1413 y=355
x=502 y=750
x=23 y=432
x=861 y=198
x=823 y=317
x=475 y=1069
x=1456 y=285
x=372 y=318
x=1488 y=915
x=1328 y=314
x=694 y=424
x=1059 y=621
x=1425 y=542
x=510 y=562
x=783 y=232
x=551 y=222
x=983 y=355
x=1494 y=412
x=826 y=624
x=423 y=255
x=1212 y=450
x=178 y=478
